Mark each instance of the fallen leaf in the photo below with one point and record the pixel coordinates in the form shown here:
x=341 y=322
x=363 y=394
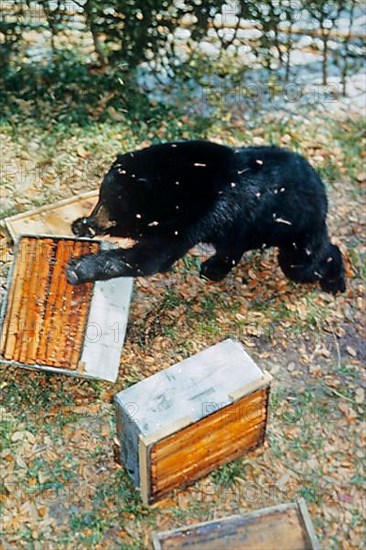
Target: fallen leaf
x=275 y=369
x=347 y=411
x=20 y=462
x=17 y=436
x=167 y=502
x=360 y=395
x=114 y=114
x=81 y=152
x=351 y=351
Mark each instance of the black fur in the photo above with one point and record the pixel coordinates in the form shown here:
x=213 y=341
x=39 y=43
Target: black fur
x=172 y=196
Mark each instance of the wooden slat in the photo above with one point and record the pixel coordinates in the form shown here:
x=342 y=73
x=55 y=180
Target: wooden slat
x=189 y=454
x=145 y=478
x=20 y=350
x=72 y=319
x=56 y=304
x=206 y=447
x=10 y=326
x=220 y=418
x=273 y=528
x=186 y=473
x=46 y=310
x=64 y=311
x=54 y=219
x=46 y=250
x=227 y=437
x=31 y=319
x=80 y=312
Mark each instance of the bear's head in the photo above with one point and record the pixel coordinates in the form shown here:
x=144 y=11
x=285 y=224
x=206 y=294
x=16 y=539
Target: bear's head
x=119 y=209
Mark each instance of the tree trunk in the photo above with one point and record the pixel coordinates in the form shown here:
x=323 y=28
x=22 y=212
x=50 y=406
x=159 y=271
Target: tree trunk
x=89 y=17
x=344 y=72
x=325 y=38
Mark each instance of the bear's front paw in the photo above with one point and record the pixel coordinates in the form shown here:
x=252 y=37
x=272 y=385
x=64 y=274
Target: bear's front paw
x=79 y=270
x=214 y=269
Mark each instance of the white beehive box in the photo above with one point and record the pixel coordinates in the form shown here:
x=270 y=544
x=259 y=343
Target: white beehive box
x=179 y=424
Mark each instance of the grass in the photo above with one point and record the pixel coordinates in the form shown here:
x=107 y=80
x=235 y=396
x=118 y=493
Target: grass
x=358 y=259
x=352 y=141
x=73 y=450
x=227 y=475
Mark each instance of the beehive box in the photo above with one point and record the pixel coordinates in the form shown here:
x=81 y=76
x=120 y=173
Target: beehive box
x=54 y=219
x=285 y=527
x=179 y=424
x=51 y=325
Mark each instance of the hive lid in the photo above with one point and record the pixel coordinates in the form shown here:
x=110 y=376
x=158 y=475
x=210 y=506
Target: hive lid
x=193 y=389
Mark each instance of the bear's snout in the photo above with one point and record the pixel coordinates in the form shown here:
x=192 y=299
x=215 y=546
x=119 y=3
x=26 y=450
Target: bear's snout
x=98 y=223
x=83 y=227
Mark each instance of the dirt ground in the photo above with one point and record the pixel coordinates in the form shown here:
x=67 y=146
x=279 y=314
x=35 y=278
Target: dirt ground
x=61 y=485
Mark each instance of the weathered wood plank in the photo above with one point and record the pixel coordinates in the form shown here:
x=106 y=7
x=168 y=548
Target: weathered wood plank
x=52 y=219
x=215 y=440
x=278 y=527
x=11 y=328
x=56 y=219
x=42 y=290
x=107 y=325
x=193 y=388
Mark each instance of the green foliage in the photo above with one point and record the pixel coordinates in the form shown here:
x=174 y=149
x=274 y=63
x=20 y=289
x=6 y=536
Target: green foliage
x=74 y=91
x=228 y=474
x=74 y=83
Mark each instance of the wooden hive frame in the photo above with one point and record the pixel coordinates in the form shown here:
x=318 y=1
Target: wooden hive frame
x=31 y=324
x=258 y=530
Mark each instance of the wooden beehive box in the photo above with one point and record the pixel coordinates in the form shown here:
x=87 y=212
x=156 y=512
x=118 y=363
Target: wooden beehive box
x=54 y=219
x=179 y=424
x=282 y=527
x=51 y=325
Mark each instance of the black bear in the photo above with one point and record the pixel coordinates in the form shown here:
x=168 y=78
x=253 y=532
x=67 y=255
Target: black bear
x=171 y=196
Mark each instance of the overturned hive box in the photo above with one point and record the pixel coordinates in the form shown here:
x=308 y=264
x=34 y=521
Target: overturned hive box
x=52 y=219
x=285 y=527
x=56 y=219
x=51 y=325
x=179 y=424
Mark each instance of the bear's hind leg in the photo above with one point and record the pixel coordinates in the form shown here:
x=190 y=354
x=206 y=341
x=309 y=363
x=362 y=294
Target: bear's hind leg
x=221 y=263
